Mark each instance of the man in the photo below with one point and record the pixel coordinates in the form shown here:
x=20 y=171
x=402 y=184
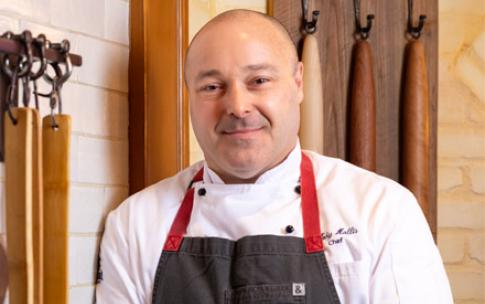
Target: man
x=259 y=221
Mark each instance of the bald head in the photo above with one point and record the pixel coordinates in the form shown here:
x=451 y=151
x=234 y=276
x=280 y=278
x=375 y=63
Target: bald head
x=249 y=22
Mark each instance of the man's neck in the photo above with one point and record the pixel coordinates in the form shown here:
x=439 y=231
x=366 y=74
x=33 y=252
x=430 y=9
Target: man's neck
x=240 y=179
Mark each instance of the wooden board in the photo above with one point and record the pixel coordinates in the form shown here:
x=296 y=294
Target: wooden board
x=37 y=207
x=336 y=26
x=55 y=145
x=18 y=185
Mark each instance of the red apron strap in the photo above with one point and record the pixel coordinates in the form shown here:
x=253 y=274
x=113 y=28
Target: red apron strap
x=181 y=221
x=309 y=206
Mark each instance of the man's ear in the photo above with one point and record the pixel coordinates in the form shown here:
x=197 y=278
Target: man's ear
x=299 y=81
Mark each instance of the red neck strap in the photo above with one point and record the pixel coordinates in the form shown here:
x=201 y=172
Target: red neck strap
x=309 y=206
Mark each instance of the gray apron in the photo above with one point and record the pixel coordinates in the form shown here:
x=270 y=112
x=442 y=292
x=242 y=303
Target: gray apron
x=263 y=269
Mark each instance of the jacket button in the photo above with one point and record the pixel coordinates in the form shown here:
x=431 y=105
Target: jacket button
x=201 y=191
x=289 y=229
x=298 y=189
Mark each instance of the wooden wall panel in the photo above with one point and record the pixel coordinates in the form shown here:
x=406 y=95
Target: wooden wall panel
x=158 y=130
x=336 y=27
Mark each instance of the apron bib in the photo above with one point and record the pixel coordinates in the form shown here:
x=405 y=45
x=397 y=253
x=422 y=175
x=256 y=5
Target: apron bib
x=256 y=269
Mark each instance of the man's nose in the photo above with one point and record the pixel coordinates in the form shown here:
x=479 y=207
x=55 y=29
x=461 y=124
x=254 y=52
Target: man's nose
x=237 y=101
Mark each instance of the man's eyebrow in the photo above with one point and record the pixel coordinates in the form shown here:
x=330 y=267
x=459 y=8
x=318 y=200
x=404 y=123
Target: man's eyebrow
x=252 y=67
x=259 y=67
x=207 y=73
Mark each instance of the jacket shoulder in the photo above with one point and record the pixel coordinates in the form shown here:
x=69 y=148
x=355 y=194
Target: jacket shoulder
x=163 y=194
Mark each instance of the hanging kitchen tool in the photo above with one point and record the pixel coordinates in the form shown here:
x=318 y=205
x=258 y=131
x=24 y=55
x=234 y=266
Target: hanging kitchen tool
x=415 y=127
x=56 y=130
x=36 y=158
x=20 y=179
x=24 y=161
x=362 y=117
x=312 y=110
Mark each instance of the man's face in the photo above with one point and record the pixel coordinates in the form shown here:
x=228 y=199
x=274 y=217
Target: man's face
x=244 y=94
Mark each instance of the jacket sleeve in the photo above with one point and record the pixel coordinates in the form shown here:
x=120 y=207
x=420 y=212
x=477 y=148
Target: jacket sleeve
x=410 y=260
x=115 y=280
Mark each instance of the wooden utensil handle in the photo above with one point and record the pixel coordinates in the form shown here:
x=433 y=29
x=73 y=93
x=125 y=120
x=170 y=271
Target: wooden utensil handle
x=18 y=182
x=362 y=123
x=312 y=111
x=55 y=146
x=415 y=129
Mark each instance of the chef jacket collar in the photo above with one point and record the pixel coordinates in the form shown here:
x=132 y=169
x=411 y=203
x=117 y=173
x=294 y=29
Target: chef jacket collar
x=288 y=170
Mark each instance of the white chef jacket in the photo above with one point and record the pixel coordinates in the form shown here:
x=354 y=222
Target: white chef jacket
x=377 y=241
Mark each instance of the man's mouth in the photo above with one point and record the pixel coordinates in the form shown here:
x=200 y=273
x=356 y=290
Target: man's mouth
x=244 y=133
x=241 y=131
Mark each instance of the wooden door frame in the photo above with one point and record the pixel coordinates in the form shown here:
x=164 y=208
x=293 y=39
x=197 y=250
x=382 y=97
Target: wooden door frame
x=158 y=105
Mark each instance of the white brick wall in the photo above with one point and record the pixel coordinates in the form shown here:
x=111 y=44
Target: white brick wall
x=96 y=98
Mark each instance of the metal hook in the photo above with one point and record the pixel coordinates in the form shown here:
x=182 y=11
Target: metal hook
x=26 y=38
x=26 y=90
x=41 y=42
x=59 y=79
x=309 y=27
x=54 y=99
x=414 y=31
x=55 y=94
x=362 y=31
x=12 y=94
x=64 y=48
x=23 y=62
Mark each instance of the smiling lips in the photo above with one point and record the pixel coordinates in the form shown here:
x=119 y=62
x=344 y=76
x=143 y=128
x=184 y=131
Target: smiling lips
x=241 y=127
x=241 y=133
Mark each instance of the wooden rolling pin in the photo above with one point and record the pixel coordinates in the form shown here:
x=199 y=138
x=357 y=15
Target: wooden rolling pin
x=415 y=126
x=19 y=187
x=55 y=143
x=362 y=123
x=312 y=111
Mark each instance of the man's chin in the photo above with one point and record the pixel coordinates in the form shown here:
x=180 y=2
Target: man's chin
x=245 y=170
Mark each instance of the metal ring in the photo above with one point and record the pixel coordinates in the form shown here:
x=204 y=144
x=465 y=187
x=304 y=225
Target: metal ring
x=40 y=42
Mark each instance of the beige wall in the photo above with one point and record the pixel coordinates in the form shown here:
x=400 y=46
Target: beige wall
x=461 y=146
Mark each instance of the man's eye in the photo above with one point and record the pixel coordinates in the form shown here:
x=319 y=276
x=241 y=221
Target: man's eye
x=209 y=88
x=261 y=80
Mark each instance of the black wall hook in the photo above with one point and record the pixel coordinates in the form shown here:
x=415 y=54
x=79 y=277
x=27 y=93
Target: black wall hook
x=363 y=32
x=414 y=31
x=309 y=27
